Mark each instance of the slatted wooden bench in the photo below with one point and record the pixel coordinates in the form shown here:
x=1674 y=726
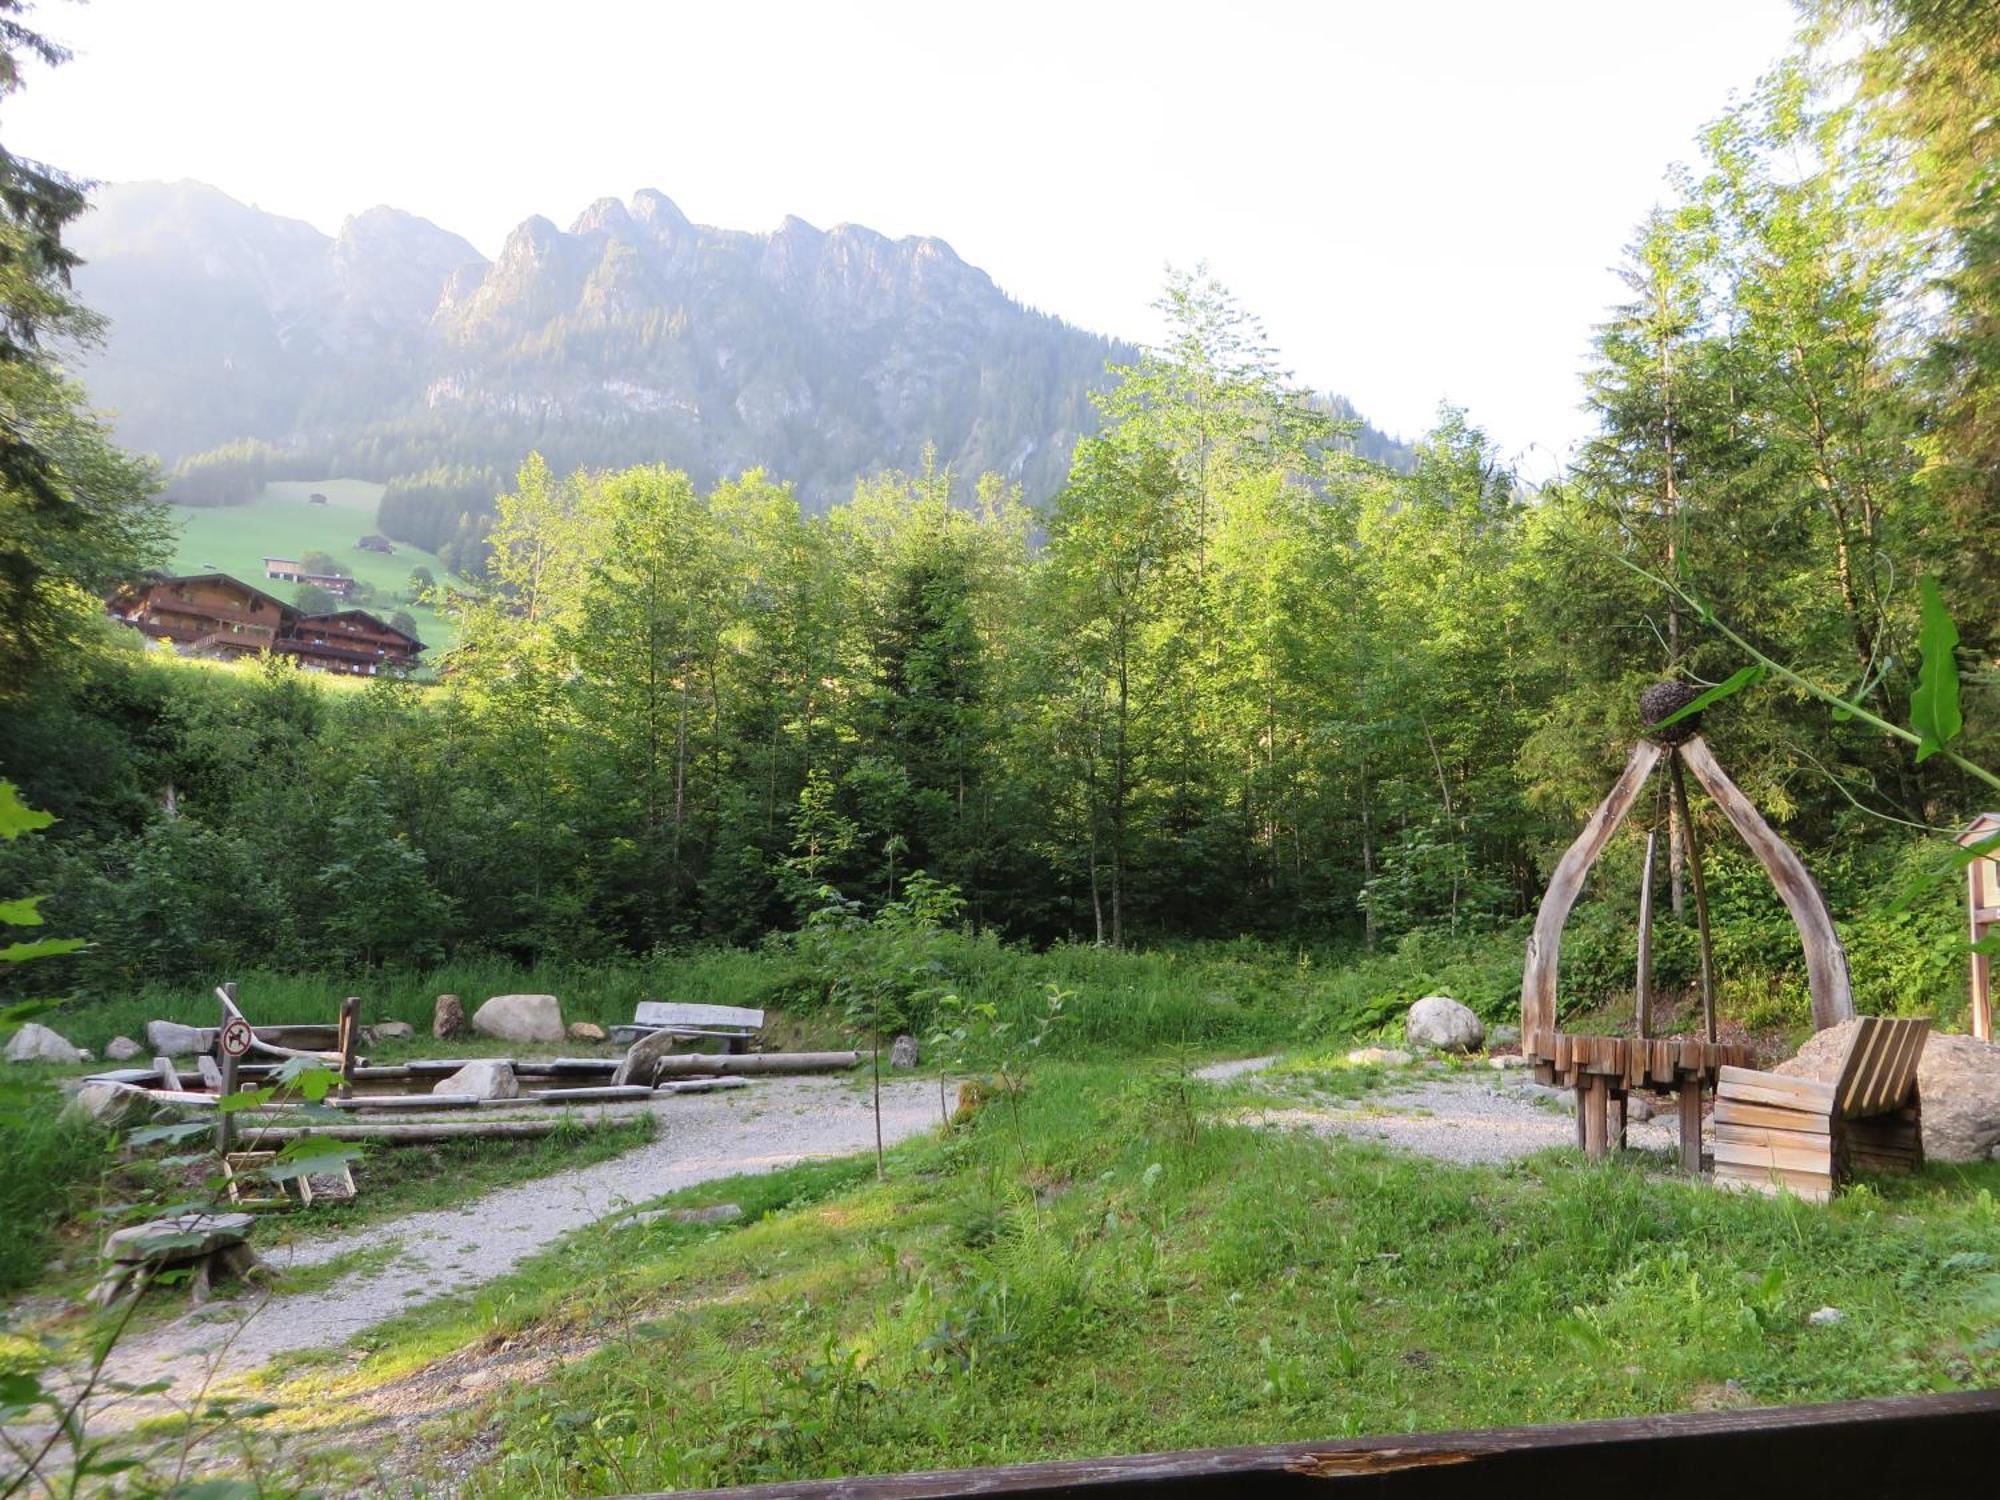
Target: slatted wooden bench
x=1774 y=1131
x=736 y=1025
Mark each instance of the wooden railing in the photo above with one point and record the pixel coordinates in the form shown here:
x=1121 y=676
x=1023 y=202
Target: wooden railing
x=1903 y=1446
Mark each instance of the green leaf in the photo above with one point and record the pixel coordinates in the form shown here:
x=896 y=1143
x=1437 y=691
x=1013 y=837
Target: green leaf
x=1934 y=705
x=16 y=817
x=243 y=1099
x=312 y=1078
x=21 y=913
x=307 y=1155
x=1727 y=688
x=153 y=1134
x=18 y=953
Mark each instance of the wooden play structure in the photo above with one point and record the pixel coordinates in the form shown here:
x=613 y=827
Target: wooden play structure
x=1982 y=903
x=736 y=1026
x=1604 y=1070
x=1775 y=1131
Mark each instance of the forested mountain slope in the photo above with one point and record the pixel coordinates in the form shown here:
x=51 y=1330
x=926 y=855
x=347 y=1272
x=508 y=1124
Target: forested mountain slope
x=393 y=350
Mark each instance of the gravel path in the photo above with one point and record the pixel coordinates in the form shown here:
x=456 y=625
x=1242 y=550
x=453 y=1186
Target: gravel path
x=1460 y=1118
x=776 y=1123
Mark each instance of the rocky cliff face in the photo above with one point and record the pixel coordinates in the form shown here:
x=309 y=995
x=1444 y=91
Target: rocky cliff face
x=632 y=336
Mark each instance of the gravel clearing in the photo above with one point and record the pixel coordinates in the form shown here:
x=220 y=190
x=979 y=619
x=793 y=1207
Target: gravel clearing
x=1466 y=1119
x=776 y=1123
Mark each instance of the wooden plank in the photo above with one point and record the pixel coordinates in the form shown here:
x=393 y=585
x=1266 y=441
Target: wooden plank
x=1791 y=1158
x=211 y=1072
x=1753 y=1087
x=1595 y=1124
x=169 y=1076
x=1764 y=1135
x=668 y=1013
x=1738 y=1112
x=1539 y=973
x=1912 y=1445
x=1864 y=1055
x=1826 y=960
x=1642 y=988
x=589 y=1095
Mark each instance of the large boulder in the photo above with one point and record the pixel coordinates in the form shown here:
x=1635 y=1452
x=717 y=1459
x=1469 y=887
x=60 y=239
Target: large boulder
x=485 y=1078
x=1958 y=1081
x=112 y=1105
x=34 y=1042
x=166 y=1241
x=520 y=1018
x=448 y=1018
x=171 y=1039
x=904 y=1053
x=123 y=1049
x=1440 y=1022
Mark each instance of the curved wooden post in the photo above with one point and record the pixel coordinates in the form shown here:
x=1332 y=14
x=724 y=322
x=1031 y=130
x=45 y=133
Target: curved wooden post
x=1826 y=960
x=1538 y=975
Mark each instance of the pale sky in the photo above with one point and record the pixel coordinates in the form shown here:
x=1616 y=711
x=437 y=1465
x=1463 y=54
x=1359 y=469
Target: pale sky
x=1423 y=200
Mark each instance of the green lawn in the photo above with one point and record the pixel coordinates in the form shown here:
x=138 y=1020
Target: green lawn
x=282 y=522
x=1127 y=1268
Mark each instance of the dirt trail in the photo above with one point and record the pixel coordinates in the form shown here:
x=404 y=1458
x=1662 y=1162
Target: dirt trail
x=776 y=1123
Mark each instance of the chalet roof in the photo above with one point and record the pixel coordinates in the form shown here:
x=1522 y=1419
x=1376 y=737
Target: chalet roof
x=288 y=563
x=153 y=580
x=361 y=614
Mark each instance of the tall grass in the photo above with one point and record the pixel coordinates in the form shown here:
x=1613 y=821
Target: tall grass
x=52 y=1165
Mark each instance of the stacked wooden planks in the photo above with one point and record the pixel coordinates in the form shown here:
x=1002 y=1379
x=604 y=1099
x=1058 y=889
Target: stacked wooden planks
x=1773 y=1131
x=1660 y=1064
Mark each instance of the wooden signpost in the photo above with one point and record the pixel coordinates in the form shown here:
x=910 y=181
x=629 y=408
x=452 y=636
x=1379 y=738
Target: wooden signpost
x=1982 y=902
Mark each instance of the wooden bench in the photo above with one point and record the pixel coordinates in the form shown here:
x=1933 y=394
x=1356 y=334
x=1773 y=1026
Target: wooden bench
x=736 y=1025
x=1774 y=1131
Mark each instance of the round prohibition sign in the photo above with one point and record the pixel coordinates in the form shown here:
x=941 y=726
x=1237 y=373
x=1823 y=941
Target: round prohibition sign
x=236 y=1037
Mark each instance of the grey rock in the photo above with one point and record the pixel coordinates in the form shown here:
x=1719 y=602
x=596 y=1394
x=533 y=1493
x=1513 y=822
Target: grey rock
x=393 y=1031
x=904 y=1053
x=1441 y=1022
x=1826 y=1317
x=520 y=1018
x=714 y=1213
x=641 y=1063
x=1958 y=1080
x=585 y=1031
x=183 y=1237
x=448 y=1018
x=1638 y=1107
x=1379 y=1057
x=112 y=1105
x=171 y=1039
x=483 y=1078
x=1503 y=1035
x=35 y=1042
x=123 y=1049
x=1507 y=1060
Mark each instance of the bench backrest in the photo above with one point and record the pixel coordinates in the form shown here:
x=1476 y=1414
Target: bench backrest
x=1881 y=1065
x=709 y=1017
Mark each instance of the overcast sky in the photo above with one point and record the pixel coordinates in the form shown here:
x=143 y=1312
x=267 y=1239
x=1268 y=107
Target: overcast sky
x=1422 y=199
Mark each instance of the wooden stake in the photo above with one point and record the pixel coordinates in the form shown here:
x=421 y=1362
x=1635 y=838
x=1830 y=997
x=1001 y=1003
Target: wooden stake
x=1700 y=895
x=1642 y=994
x=350 y=1028
x=1597 y=1094
x=225 y=1122
x=1691 y=1126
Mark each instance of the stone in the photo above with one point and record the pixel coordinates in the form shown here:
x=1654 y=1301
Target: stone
x=585 y=1031
x=393 y=1031
x=1826 y=1317
x=34 y=1042
x=123 y=1049
x=1379 y=1057
x=171 y=1039
x=448 y=1018
x=641 y=1063
x=1503 y=1035
x=111 y=1105
x=904 y=1053
x=714 y=1213
x=184 y=1237
x=1958 y=1080
x=483 y=1078
x=1509 y=1060
x=520 y=1018
x=1441 y=1022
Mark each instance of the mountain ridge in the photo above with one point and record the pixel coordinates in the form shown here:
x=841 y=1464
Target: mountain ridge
x=393 y=348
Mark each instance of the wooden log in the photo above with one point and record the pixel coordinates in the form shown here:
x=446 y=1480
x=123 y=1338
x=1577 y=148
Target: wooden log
x=757 y=1062
x=701 y=1085
x=350 y=1034
x=1595 y=1099
x=1690 y=1122
x=1539 y=974
x=1691 y=841
x=225 y=1122
x=408 y=1132
x=1642 y=988
x=589 y=1095
x=1826 y=960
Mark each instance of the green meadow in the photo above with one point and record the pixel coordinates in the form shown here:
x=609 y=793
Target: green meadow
x=282 y=522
